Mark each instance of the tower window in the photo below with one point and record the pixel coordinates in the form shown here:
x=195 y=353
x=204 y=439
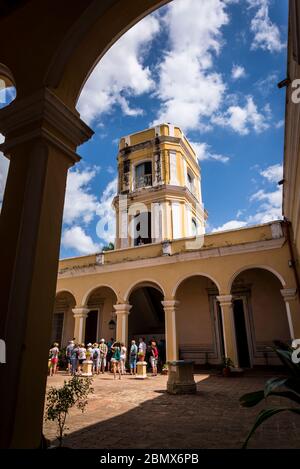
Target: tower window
x=194 y=227
x=190 y=182
x=143 y=175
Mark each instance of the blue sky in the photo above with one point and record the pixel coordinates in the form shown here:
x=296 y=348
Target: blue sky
x=211 y=67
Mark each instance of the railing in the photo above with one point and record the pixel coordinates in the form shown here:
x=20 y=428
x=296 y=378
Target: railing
x=143 y=181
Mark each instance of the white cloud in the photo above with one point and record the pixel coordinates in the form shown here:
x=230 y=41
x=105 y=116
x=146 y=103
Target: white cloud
x=203 y=152
x=76 y=238
x=243 y=119
x=266 y=33
x=188 y=88
x=279 y=124
x=80 y=204
x=111 y=169
x=268 y=84
x=106 y=227
x=230 y=225
x=238 y=72
x=120 y=74
x=273 y=173
x=269 y=203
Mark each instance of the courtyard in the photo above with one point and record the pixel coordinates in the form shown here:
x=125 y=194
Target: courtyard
x=131 y=413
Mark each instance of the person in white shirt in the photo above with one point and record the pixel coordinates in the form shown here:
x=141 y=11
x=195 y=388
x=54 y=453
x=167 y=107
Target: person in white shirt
x=81 y=356
x=142 y=347
x=123 y=358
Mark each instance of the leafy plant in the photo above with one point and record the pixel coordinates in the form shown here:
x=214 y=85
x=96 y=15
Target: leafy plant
x=287 y=387
x=60 y=400
x=109 y=247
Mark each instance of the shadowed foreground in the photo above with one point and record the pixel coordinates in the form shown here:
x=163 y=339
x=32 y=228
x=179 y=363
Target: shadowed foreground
x=140 y=414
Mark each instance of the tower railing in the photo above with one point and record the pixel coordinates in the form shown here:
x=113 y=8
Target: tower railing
x=143 y=181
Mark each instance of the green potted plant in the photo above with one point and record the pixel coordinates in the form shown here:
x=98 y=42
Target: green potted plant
x=164 y=370
x=227 y=364
x=59 y=401
x=141 y=356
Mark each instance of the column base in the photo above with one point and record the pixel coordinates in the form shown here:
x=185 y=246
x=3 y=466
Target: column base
x=141 y=370
x=181 y=377
x=87 y=367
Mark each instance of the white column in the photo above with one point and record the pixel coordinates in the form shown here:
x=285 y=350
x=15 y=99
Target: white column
x=228 y=328
x=122 y=312
x=172 y=349
x=173 y=168
x=184 y=165
x=176 y=220
x=80 y=315
x=292 y=310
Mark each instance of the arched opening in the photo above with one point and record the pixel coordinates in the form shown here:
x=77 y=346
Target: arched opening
x=100 y=321
x=260 y=316
x=63 y=319
x=7 y=86
x=198 y=321
x=146 y=318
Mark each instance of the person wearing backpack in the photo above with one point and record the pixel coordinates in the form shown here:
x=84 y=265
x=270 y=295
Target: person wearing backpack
x=96 y=359
x=116 y=358
x=103 y=349
x=132 y=357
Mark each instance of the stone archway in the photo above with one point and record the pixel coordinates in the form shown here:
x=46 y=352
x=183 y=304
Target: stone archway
x=198 y=320
x=259 y=315
x=147 y=317
x=99 y=303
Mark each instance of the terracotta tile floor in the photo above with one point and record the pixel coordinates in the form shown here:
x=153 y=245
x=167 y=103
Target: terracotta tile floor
x=129 y=413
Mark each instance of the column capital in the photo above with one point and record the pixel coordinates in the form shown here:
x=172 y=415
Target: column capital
x=289 y=294
x=170 y=304
x=123 y=308
x=225 y=300
x=80 y=312
x=43 y=115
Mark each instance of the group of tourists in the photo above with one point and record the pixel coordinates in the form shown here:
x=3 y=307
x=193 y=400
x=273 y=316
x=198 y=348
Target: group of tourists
x=108 y=356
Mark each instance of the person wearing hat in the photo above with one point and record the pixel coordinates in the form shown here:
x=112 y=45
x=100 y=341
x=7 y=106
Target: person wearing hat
x=96 y=358
x=89 y=351
x=69 y=349
x=103 y=349
x=81 y=356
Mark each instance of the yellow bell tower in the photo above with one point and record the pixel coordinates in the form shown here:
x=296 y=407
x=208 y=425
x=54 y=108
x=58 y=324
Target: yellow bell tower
x=159 y=188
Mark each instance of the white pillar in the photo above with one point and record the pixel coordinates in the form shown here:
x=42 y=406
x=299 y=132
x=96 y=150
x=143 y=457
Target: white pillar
x=290 y=297
x=172 y=349
x=228 y=328
x=122 y=312
x=80 y=315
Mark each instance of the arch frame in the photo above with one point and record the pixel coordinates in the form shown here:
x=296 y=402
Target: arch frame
x=256 y=266
x=144 y=283
x=85 y=31
x=190 y=275
x=87 y=295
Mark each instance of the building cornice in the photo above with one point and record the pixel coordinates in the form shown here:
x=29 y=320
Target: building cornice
x=92 y=269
